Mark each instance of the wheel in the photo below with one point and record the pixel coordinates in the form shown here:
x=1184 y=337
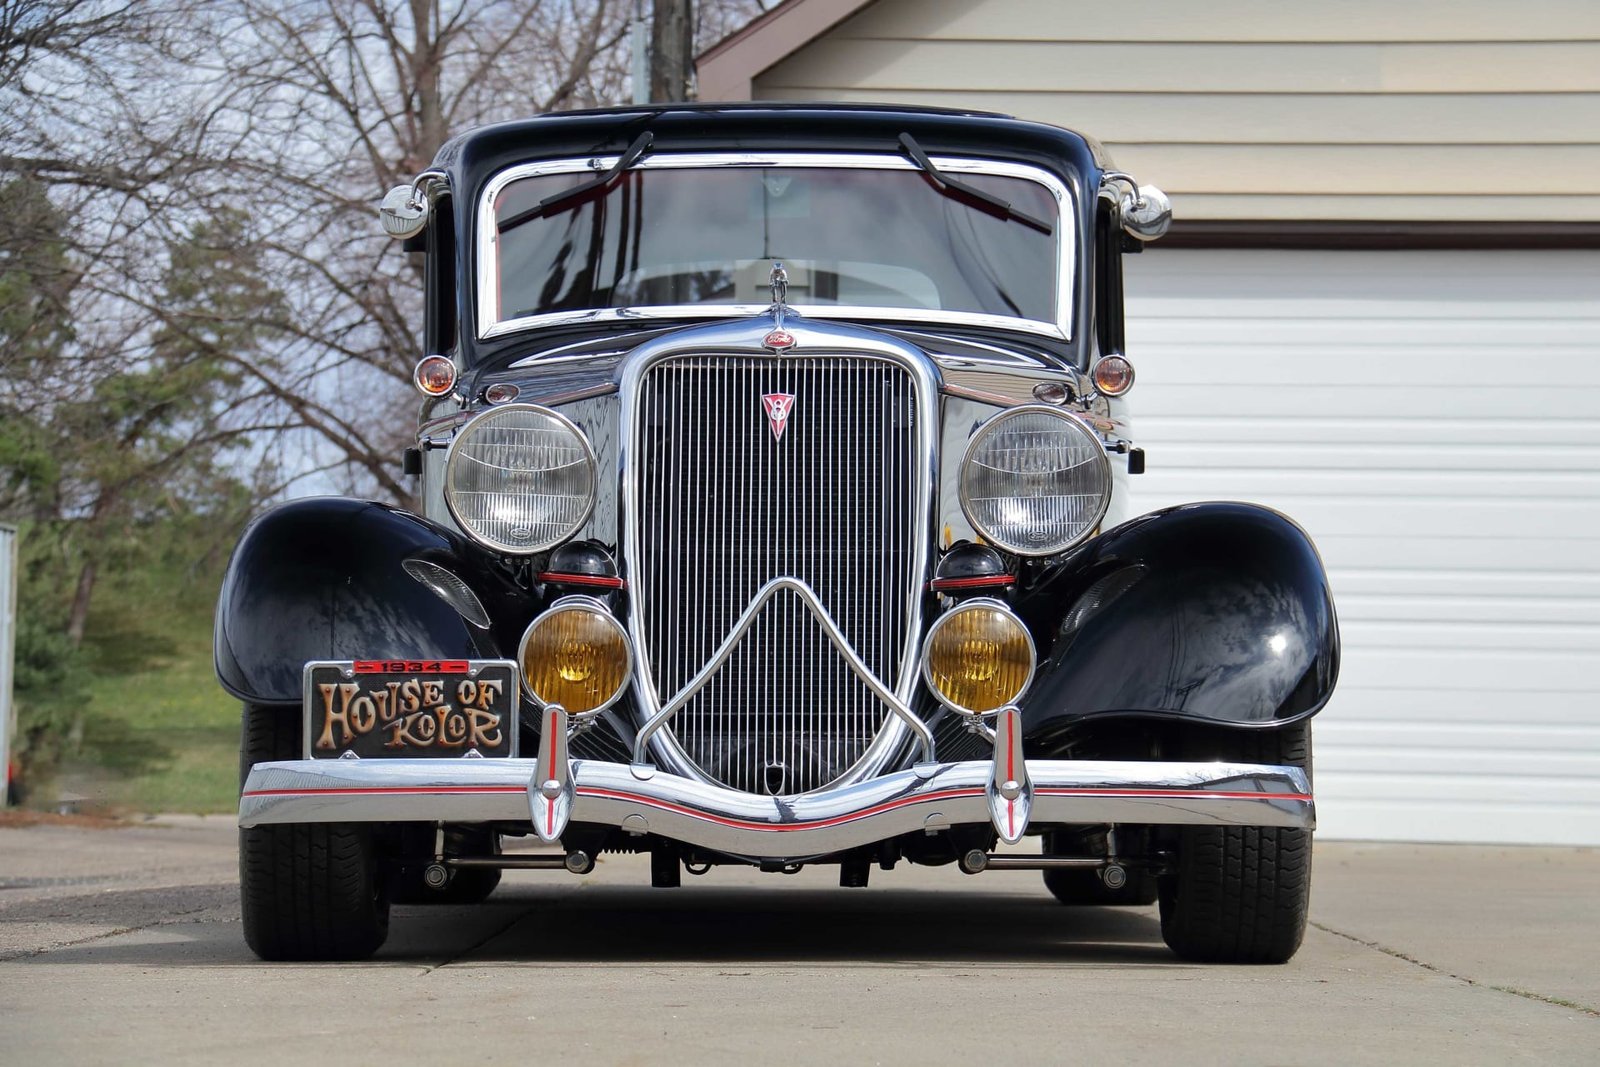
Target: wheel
x=308 y=891
x=1239 y=894
x=1077 y=887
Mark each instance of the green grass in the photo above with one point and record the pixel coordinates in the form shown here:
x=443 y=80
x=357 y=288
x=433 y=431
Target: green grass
x=159 y=734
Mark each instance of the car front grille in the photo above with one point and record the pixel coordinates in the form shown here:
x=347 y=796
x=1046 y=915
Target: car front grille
x=725 y=505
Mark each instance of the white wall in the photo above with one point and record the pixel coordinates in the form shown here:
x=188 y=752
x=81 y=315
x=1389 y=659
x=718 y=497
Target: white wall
x=1284 y=109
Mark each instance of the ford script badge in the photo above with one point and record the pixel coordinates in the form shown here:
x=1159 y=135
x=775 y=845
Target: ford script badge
x=778 y=340
x=778 y=406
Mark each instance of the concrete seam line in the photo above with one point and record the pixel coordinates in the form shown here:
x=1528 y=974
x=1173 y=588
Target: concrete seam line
x=475 y=946
x=1525 y=994
x=175 y=919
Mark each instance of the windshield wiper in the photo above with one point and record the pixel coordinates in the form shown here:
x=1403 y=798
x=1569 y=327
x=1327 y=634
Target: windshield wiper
x=988 y=203
x=640 y=145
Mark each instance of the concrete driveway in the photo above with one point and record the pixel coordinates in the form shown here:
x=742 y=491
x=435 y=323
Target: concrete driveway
x=123 y=945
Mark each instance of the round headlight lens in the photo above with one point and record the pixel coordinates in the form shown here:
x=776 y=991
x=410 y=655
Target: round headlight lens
x=576 y=655
x=1035 y=481
x=520 y=479
x=979 y=657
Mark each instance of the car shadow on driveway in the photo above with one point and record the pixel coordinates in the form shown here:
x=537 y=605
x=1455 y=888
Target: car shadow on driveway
x=198 y=926
x=808 y=925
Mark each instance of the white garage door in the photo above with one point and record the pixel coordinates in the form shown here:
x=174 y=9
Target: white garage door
x=1433 y=419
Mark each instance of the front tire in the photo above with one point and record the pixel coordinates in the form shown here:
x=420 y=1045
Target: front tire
x=308 y=891
x=1240 y=894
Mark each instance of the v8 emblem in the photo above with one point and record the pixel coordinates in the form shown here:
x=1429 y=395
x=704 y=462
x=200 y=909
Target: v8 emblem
x=778 y=406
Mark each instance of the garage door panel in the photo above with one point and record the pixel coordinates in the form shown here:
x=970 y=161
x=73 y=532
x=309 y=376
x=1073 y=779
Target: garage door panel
x=1474 y=738
x=1490 y=285
x=1434 y=669
x=1568 y=775
x=1360 y=810
x=1437 y=707
x=1421 y=783
x=1154 y=337
x=1433 y=421
x=1542 y=617
x=1421 y=634
x=1459 y=399
x=1375 y=461
x=1276 y=430
x=1467 y=487
x=1549 y=588
x=1555 y=554
x=1380 y=516
x=1386 y=365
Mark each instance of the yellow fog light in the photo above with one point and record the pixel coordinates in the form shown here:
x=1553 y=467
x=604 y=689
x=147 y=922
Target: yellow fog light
x=978 y=657
x=576 y=655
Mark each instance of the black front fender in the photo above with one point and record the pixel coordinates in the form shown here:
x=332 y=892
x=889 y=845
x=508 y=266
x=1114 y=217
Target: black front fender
x=322 y=579
x=1214 y=612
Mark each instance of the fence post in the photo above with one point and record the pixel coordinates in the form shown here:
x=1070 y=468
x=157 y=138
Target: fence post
x=8 y=645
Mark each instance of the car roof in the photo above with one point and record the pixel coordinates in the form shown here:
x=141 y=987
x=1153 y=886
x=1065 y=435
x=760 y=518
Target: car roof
x=471 y=158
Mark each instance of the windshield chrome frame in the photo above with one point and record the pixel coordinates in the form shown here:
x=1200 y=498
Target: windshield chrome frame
x=485 y=267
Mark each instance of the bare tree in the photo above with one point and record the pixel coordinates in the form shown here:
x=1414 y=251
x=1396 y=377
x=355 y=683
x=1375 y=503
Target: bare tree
x=317 y=106
x=288 y=118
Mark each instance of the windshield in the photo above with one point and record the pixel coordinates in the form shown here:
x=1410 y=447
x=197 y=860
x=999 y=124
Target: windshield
x=849 y=237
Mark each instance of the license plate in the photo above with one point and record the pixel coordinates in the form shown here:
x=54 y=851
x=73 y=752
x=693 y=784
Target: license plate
x=411 y=708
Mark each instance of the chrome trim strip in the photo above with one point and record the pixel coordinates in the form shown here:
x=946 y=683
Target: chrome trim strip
x=814 y=311
x=743 y=338
x=547 y=358
x=490 y=325
x=745 y=824
x=830 y=629
x=428 y=432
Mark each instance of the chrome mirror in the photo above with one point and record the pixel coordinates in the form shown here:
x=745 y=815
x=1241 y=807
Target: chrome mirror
x=1146 y=212
x=404 y=211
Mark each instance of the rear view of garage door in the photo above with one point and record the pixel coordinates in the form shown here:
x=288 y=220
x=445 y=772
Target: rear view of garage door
x=1433 y=419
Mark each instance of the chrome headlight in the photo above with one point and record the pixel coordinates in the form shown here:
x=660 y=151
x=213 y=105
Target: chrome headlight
x=1035 y=481
x=520 y=479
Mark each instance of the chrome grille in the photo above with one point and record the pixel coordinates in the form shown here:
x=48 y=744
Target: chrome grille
x=724 y=506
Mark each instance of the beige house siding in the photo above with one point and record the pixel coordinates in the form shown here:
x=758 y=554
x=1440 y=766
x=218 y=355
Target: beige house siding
x=1437 y=110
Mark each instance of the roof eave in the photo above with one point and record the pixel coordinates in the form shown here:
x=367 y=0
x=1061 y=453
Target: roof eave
x=727 y=70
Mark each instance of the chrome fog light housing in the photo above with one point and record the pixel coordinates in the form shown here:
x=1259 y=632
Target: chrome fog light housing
x=520 y=479
x=978 y=657
x=1035 y=481
x=576 y=655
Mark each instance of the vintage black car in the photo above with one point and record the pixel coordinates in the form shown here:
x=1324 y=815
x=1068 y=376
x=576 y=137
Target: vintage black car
x=773 y=477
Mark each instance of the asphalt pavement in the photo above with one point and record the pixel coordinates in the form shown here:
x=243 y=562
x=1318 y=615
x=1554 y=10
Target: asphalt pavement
x=122 y=945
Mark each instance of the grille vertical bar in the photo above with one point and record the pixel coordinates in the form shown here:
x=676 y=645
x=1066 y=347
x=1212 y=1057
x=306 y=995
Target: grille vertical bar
x=725 y=507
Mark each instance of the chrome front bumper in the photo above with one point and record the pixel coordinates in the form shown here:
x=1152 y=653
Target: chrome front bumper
x=930 y=797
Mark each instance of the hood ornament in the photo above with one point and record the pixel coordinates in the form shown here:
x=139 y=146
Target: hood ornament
x=779 y=339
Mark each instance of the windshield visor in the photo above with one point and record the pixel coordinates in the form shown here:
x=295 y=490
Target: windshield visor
x=850 y=237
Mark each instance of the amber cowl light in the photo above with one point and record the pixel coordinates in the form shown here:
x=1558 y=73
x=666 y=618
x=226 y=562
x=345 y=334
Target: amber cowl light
x=576 y=656
x=1113 y=375
x=434 y=376
x=979 y=658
